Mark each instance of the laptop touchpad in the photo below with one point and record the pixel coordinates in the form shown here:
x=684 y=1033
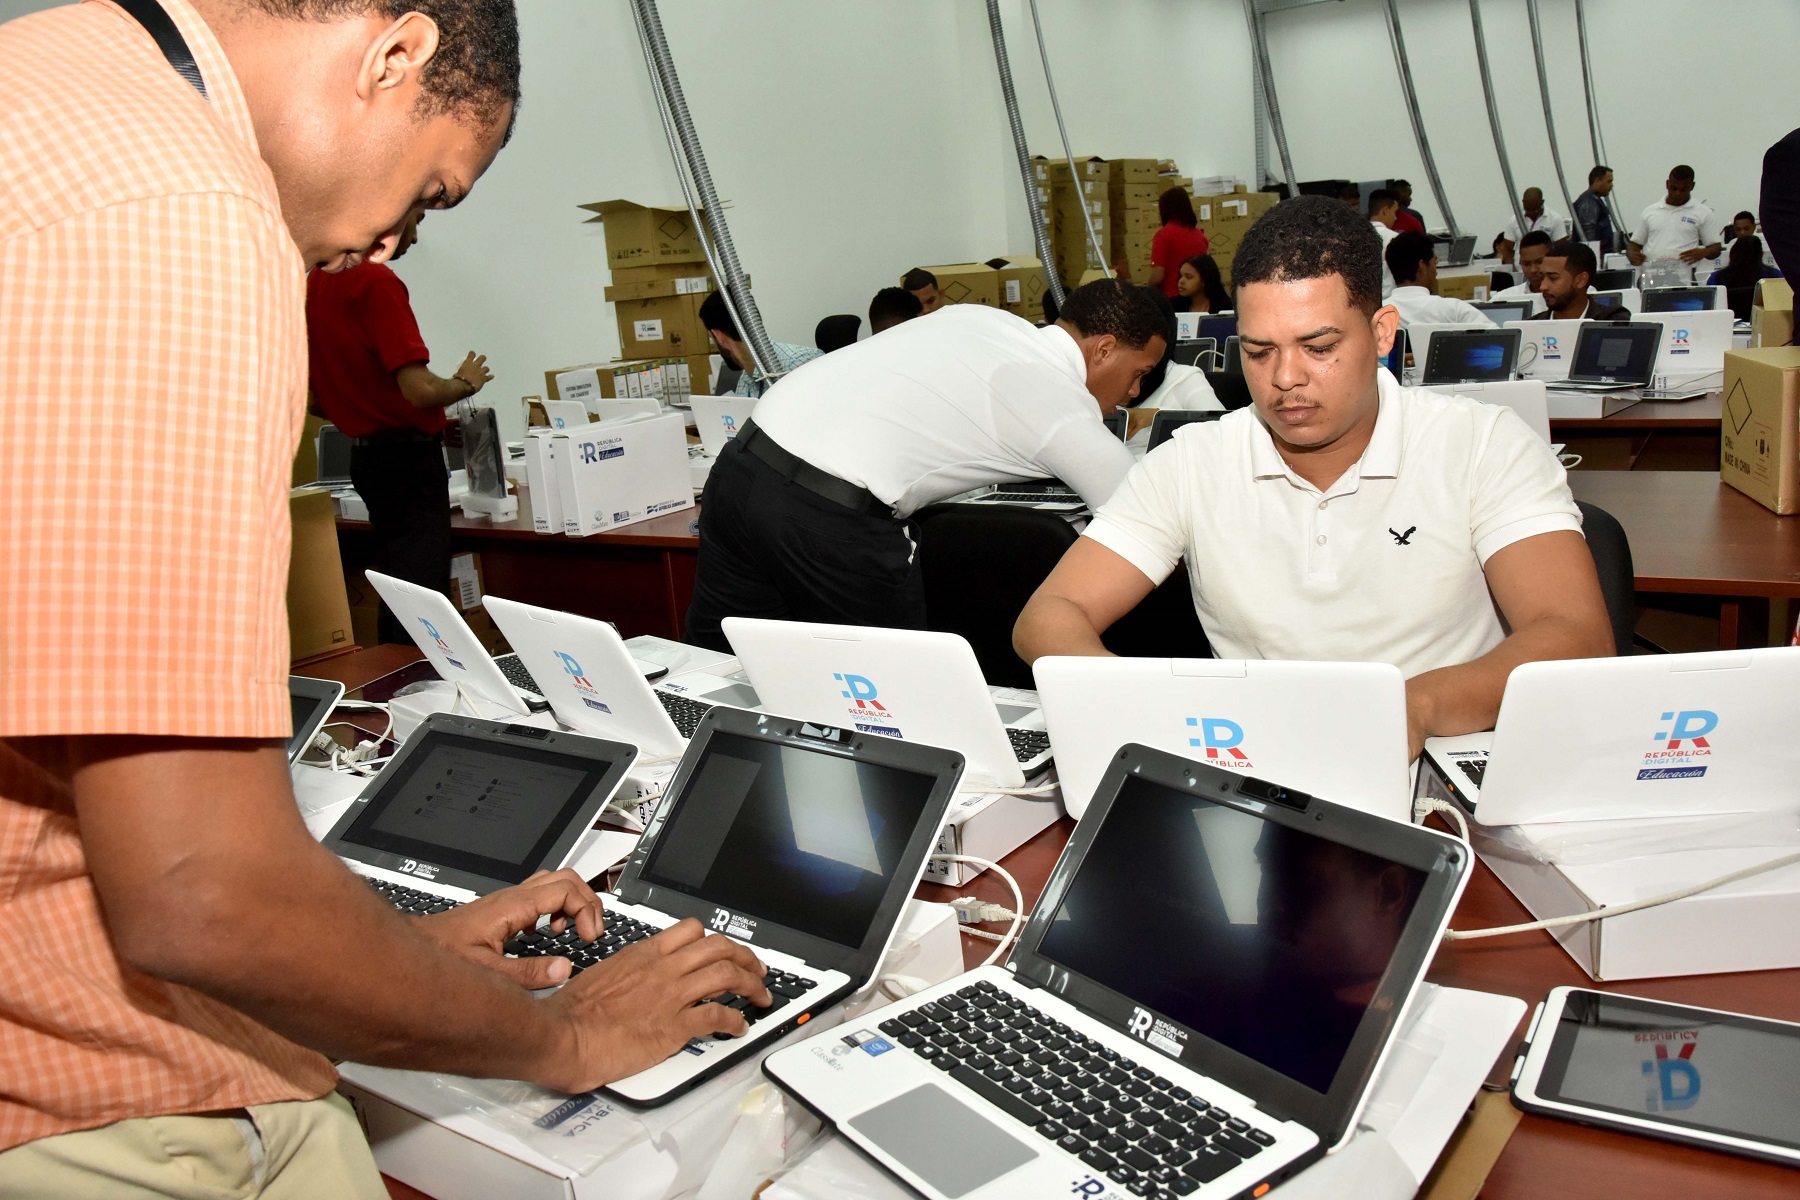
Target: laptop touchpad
x=943 y=1141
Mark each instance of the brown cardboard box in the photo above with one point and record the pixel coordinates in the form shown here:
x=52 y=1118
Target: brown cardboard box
x=317 y=604
x=1132 y=170
x=641 y=235
x=665 y=279
x=662 y=327
x=1772 y=316
x=968 y=283
x=1463 y=287
x=1761 y=426
x=611 y=375
x=466 y=589
x=1088 y=167
x=1022 y=284
x=1136 y=195
x=1135 y=221
x=306 y=455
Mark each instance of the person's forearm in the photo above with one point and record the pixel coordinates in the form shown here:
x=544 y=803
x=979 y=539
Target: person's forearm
x=426 y=390
x=1635 y=253
x=1466 y=698
x=1054 y=625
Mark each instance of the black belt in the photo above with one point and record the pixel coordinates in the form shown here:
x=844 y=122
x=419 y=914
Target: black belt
x=798 y=470
x=394 y=437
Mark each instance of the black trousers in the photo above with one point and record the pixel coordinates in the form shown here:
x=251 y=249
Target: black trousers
x=770 y=548
x=407 y=489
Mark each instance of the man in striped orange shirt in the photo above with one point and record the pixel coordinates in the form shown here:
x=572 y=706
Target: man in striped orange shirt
x=177 y=955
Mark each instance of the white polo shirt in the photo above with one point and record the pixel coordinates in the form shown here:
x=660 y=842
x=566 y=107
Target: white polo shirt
x=940 y=404
x=1385 y=565
x=1386 y=235
x=1417 y=306
x=1665 y=231
x=1554 y=224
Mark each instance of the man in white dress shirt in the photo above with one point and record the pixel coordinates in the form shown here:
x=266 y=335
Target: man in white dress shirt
x=1412 y=260
x=805 y=514
x=1384 y=210
x=1536 y=217
x=1342 y=516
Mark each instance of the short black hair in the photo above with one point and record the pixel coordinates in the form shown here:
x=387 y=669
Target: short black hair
x=1746 y=215
x=715 y=316
x=891 y=306
x=1349 y=191
x=1127 y=311
x=1578 y=256
x=1597 y=174
x=1537 y=237
x=476 y=68
x=1682 y=172
x=1394 y=185
x=918 y=279
x=1379 y=199
x=1310 y=237
x=1406 y=253
x=1174 y=205
x=1218 y=297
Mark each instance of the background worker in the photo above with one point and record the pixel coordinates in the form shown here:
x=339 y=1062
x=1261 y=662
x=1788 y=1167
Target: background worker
x=1675 y=227
x=1200 y=288
x=1412 y=261
x=734 y=349
x=1592 y=212
x=1179 y=239
x=369 y=376
x=1537 y=218
x=891 y=306
x=924 y=286
x=1384 y=210
x=1409 y=219
x=805 y=514
x=1532 y=249
x=1566 y=277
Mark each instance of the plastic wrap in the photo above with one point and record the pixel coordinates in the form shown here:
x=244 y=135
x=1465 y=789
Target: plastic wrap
x=1581 y=843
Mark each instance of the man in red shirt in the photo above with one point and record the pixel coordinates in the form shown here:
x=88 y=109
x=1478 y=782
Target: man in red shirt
x=1409 y=220
x=370 y=378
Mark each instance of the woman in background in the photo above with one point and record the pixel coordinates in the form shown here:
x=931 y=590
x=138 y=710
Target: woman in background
x=1200 y=288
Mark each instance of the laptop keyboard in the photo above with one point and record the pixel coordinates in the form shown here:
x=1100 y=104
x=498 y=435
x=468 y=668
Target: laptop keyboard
x=1034 y=497
x=1116 y=1115
x=516 y=674
x=1028 y=744
x=411 y=901
x=684 y=712
x=1474 y=768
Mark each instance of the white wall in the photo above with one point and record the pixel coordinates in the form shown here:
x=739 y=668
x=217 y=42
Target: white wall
x=1677 y=80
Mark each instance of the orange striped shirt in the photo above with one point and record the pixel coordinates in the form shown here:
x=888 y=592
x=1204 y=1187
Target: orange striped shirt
x=152 y=381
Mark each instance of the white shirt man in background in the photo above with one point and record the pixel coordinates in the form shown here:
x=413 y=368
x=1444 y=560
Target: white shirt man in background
x=1677 y=226
x=1536 y=217
x=1533 y=247
x=805 y=513
x=1342 y=516
x=1384 y=210
x=1411 y=259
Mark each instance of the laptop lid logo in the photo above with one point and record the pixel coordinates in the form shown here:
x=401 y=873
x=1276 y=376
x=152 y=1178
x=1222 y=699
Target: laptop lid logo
x=1678 y=341
x=589 y=696
x=1682 y=750
x=1220 y=739
x=730 y=423
x=449 y=654
x=1550 y=350
x=860 y=690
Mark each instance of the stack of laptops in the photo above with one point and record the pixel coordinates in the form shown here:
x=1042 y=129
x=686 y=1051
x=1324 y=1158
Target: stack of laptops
x=1660 y=735
x=801 y=841
x=1202 y=999
x=906 y=684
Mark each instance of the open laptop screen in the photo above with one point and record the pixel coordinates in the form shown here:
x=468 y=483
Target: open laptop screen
x=807 y=839
x=480 y=806
x=1615 y=352
x=1472 y=356
x=1502 y=311
x=1266 y=939
x=1680 y=299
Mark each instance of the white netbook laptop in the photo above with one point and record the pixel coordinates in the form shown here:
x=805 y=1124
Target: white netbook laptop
x=718 y=419
x=1693 y=343
x=1460 y=355
x=914 y=685
x=1331 y=728
x=1199 y=1006
x=460 y=658
x=1612 y=356
x=468 y=807
x=1668 y=735
x=1524 y=396
x=1547 y=349
x=594 y=685
x=803 y=842
x=566 y=413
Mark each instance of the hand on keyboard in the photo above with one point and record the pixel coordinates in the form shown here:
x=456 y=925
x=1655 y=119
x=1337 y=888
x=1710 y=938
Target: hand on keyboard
x=479 y=930
x=636 y=1008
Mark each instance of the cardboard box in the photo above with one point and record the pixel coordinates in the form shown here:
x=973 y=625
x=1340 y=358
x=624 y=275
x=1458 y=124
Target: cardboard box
x=318 y=605
x=1772 y=314
x=1751 y=925
x=671 y=379
x=662 y=327
x=1133 y=170
x=665 y=279
x=642 y=235
x=541 y=480
x=968 y=283
x=1760 y=426
x=1022 y=284
x=1144 y=196
x=306 y=456
x=1135 y=222
x=1087 y=167
x=622 y=471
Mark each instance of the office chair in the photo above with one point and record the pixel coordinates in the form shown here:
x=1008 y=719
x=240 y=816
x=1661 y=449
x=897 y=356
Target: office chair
x=834 y=333
x=1618 y=582
x=1741 y=300
x=1163 y=625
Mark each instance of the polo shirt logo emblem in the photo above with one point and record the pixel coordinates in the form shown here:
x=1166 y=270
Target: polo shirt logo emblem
x=1404 y=539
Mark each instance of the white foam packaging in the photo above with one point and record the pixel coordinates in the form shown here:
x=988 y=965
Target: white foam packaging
x=620 y=471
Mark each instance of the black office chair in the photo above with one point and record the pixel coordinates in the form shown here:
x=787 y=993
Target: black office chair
x=834 y=333
x=1618 y=582
x=1741 y=300
x=1163 y=625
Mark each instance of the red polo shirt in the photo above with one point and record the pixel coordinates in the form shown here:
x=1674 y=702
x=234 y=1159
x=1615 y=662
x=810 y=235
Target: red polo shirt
x=1173 y=245
x=360 y=330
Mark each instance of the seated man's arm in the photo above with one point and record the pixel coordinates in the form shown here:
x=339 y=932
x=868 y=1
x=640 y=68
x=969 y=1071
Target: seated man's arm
x=1549 y=593
x=1090 y=589
x=208 y=878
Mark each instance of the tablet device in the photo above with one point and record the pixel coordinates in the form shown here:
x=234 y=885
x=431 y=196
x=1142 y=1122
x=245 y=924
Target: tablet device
x=312 y=700
x=1699 y=1076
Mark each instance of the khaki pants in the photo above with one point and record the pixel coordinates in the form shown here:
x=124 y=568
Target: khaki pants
x=292 y=1151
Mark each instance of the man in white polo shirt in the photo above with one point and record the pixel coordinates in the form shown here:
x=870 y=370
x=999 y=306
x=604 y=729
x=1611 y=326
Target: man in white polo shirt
x=1412 y=260
x=805 y=513
x=1342 y=516
x=1536 y=217
x=1677 y=226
